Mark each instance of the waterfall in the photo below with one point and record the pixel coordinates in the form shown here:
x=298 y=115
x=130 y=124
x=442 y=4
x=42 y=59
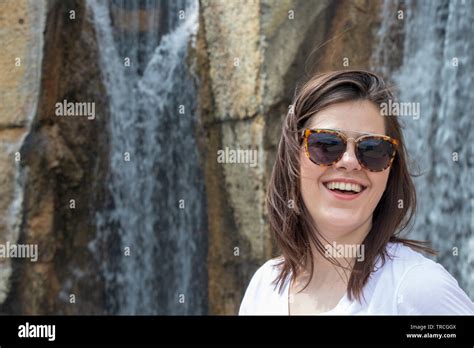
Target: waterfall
x=152 y=237
x=437 y=71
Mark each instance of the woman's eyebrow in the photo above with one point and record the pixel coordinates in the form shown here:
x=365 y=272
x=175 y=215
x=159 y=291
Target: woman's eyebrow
x=344 y=131
x=347 y=131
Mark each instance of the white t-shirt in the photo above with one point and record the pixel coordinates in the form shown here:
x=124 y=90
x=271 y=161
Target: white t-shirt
x=408 y=283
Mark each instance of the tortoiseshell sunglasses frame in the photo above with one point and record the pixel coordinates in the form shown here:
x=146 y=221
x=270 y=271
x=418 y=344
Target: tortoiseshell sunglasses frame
x=307 y=132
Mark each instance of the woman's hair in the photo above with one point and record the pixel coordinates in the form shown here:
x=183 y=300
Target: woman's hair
x=290 y=221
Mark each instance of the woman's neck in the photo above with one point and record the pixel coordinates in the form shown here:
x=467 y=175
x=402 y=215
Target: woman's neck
x=345 y=248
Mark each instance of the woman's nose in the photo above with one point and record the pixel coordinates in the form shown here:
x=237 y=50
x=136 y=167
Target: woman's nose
x=349 y=159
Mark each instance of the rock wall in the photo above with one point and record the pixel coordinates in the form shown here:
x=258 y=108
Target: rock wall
x=21 y=34
x=62 y=160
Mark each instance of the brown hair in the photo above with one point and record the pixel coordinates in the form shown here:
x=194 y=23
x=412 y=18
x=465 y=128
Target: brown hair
x=292 y=225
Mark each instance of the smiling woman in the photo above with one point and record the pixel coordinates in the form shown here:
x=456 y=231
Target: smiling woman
x=341 y=179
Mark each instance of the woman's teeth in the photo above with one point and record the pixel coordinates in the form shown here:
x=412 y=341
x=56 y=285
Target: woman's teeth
x=344 y=186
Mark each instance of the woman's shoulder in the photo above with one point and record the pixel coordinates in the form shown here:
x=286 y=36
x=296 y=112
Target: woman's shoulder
x=404 y=256
x=406 y=264
x=273 y=265
x=261 y=290
x=266 y=273
x=424 y=286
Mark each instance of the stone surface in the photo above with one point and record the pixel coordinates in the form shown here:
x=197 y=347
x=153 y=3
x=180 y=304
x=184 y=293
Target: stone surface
x=21 y=29
x=21 y=34
x=62 y=159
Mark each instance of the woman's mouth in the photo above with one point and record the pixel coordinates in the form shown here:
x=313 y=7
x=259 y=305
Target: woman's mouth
x=344 y=190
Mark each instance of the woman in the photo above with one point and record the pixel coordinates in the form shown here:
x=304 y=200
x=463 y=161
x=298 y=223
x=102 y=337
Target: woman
x=339 y=195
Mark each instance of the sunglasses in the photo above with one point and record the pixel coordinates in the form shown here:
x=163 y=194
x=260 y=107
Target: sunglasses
x=325 y=147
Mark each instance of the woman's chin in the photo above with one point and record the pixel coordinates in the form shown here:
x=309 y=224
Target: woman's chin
x=345 y=222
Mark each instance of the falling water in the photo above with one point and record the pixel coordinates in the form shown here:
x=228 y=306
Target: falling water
x=437 y=71
x=153 y=233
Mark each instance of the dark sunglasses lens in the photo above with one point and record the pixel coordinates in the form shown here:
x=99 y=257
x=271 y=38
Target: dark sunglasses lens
x=325 y=148
x=375 y=153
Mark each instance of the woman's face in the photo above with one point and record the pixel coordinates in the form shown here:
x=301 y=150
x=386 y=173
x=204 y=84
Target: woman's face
x=336 y=215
